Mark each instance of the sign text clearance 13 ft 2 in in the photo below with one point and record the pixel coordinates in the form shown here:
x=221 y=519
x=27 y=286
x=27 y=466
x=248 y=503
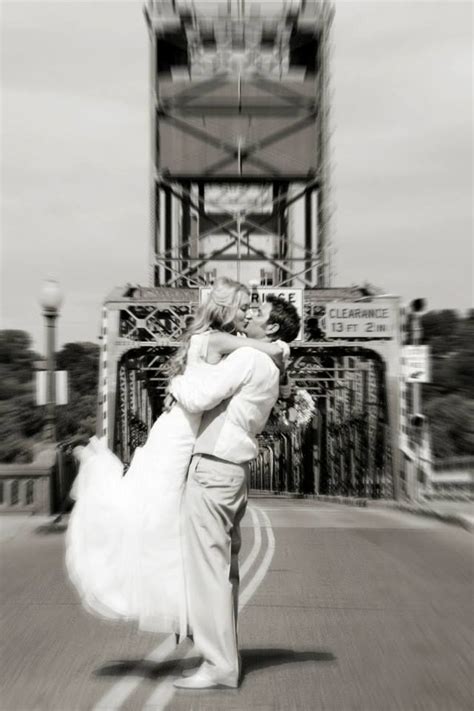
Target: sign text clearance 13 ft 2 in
x=260 y=294
x=375 y=319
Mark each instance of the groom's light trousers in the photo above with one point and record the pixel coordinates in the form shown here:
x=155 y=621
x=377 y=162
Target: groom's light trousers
x=214 y=504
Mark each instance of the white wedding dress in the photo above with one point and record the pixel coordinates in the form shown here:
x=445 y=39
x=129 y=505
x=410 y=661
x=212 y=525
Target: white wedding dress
x=123 y=543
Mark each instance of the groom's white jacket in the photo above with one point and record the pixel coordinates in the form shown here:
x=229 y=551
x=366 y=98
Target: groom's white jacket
x=247 y=376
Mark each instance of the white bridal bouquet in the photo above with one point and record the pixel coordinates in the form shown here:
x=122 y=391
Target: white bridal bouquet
x=296 y=410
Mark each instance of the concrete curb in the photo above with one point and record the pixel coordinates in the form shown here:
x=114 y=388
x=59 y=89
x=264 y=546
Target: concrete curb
x=346 y=500
x=21 y=525
x=451 y=518
x=419 y=509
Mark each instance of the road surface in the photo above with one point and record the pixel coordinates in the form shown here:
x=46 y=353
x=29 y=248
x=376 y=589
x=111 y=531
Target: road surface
x=343 y=609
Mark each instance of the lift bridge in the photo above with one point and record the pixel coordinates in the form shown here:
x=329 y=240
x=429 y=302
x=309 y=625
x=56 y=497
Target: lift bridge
x=240 y=186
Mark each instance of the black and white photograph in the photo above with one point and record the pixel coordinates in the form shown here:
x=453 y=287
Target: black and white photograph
x=236 y=355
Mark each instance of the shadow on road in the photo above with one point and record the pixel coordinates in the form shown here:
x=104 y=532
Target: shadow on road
x=51 y=527
x=255 y=659
x=143 y=667
x=252 y=660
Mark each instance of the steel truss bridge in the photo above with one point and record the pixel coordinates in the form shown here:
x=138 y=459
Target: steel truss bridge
x=348 y=449
x=240 y=186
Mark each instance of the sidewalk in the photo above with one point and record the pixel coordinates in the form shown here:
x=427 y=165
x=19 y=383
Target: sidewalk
x=16 y=526
x=459 y=513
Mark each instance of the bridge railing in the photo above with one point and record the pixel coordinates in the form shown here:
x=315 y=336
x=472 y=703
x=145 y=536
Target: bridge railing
x=41 y=486
x=465 y=463
x=28 y=487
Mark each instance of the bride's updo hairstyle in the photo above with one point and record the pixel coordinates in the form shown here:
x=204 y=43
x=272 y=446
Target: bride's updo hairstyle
x=216 y=314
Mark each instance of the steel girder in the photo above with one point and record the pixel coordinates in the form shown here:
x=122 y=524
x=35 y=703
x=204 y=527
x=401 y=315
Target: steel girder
x=352 y=435
x=177 y=257
x=346 y=448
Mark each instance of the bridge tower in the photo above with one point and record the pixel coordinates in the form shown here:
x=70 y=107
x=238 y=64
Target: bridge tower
x=240 y=186
x=239 y=129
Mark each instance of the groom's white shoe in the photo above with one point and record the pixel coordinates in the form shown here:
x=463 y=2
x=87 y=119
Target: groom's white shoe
x=192 y=670
x=202 y=679
x=189 y=672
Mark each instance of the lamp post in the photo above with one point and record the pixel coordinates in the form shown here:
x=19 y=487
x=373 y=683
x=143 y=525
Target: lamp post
x=51 y=299
x=418 y=308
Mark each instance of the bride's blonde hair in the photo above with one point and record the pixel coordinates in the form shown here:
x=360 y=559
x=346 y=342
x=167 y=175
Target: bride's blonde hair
x=218 y=313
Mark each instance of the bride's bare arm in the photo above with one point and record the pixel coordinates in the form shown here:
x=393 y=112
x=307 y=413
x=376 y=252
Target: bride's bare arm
x=225 y=343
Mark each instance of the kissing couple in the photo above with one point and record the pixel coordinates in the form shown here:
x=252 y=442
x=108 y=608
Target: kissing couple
x=160 y=545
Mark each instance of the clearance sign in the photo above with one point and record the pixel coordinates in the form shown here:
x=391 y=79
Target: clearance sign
x=260 y=294
x=360 y=320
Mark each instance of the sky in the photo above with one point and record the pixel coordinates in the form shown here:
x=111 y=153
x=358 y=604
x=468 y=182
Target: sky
x=75 y=153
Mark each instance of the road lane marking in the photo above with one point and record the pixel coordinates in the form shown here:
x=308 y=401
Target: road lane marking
x=262 y=569
x=164 y=692
x=123 y=689
x=310 y=508
x=257 y=544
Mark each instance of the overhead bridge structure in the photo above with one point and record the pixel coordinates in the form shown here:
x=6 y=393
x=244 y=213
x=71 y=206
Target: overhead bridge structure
x=239 y=124
x=240 y=186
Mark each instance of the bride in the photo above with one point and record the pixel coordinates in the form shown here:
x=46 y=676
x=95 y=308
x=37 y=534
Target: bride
x=123 y=543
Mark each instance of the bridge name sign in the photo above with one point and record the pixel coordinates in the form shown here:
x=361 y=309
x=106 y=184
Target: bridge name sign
x=359 y=320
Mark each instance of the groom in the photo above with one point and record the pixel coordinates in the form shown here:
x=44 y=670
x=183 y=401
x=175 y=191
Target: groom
x=236 y=405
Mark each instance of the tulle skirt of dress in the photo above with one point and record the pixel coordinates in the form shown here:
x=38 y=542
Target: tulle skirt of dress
x=124 y=538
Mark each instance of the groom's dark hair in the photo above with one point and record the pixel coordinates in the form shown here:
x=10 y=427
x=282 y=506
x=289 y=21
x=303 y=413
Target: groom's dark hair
x=286 y=316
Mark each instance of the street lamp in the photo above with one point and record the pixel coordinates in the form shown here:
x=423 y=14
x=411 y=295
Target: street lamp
x=418 y=308
x=50 y=299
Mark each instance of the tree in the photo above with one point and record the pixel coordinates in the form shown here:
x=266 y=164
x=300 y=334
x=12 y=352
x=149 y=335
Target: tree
x=81 y=360
x=451 y=421
x=452 y=342
x=21 y=420
x=440 y=329
x=16 y=355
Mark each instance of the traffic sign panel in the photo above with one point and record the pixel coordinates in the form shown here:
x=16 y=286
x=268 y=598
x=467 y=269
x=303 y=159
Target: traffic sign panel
x=359 y=320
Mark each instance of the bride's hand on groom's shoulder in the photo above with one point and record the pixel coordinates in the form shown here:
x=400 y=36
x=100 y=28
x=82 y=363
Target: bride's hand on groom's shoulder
x=169 y=402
